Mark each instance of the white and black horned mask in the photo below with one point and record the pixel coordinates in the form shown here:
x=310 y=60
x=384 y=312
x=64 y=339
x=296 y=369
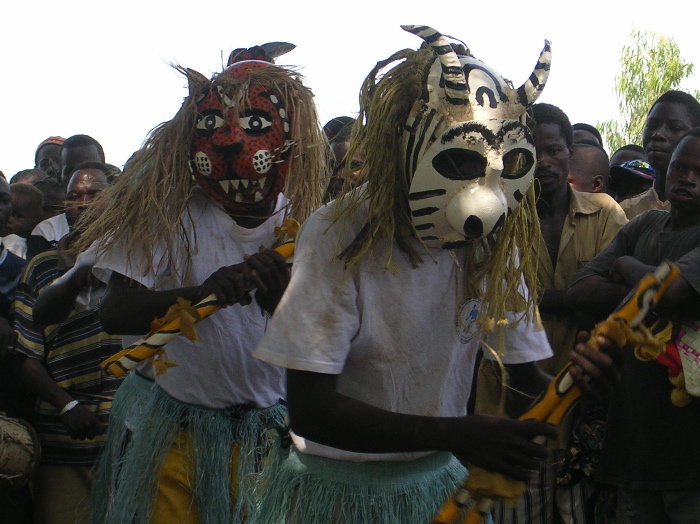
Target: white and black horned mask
x=468 y=155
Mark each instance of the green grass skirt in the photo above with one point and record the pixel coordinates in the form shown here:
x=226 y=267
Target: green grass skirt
x=306 y=489
x=131 y=461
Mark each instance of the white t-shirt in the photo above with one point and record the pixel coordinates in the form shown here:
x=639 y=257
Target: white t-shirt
x=15 y=244
x=218 y=370
x=52 y=229
x=403 y=342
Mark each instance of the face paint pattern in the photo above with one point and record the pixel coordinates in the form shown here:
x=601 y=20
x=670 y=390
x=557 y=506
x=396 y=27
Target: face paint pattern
x=240 y=151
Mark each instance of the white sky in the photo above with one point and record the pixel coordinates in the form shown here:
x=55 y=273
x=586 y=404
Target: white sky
x=101 y=68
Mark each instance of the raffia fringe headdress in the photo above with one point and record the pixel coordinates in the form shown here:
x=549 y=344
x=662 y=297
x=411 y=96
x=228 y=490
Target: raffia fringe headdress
x=145 y=206
x=502 y=259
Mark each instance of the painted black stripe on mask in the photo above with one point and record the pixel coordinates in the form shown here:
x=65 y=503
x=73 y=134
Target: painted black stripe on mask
x=419 y=142
x=456 y=86
x=486 y=92
x=468 y=68
x=420 y=195
x=428 y=38
x=443 y=49
x=510 y=126
x=424 y=211
x=457 y=101
x=423 y=227
x=410 y=142
x=522 y=97
x=544 y=65
x=454 y=245
x=452 y=70
x=471 y=127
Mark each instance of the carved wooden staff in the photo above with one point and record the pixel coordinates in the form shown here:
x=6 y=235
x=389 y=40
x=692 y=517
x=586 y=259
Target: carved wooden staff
x=485 y=487
x=184 y=318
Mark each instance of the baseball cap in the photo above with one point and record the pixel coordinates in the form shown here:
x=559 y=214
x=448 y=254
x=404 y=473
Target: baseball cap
x=635 y=168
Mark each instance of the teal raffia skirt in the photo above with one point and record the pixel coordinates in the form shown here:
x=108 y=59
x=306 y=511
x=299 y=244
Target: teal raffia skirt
x=306 y=489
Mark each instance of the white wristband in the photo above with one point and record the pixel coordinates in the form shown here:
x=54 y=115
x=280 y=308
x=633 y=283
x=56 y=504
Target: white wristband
x=68 y=407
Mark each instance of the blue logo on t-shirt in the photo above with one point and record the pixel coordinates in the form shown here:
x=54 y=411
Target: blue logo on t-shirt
x=465 y=320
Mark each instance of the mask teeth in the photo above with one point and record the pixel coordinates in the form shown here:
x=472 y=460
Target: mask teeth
x=236 y=188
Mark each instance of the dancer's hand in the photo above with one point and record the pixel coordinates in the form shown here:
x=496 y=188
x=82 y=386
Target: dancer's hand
x=272 y=273
x=500 y=445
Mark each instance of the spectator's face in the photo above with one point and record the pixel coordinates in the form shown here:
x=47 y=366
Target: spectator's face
x=84 y=186
x=26 y=214
x=683 y=177
x=340 y=150
x=48 y=159
x=5 y=203
x=552 y=158
x=665 y=124
x=74 y=156
x=54 y=204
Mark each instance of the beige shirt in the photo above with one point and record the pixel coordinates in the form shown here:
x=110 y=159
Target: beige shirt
x=592 y=222
x=648 y=200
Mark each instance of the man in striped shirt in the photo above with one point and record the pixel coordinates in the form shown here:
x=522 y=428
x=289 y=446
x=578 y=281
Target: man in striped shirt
x=58 y=355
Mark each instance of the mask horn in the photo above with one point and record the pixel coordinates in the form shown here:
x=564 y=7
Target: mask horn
x=533 y=86
x=456 y=89
x=194 y=80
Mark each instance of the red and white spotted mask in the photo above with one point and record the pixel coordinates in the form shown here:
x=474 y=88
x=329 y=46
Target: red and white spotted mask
x=240 y=148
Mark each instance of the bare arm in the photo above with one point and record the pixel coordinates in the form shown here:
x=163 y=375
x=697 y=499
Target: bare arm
x=55 y=302
x=555 y=302
x=680 y=299
x=596 y=295
x=129 y=307
x=318 y=412
x=79 y=421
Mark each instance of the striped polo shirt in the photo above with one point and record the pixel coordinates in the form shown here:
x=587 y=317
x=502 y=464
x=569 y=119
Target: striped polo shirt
x=71 y=352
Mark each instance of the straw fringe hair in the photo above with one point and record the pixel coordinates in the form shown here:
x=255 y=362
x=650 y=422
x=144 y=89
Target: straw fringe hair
x=146 y=205
x=502 y=259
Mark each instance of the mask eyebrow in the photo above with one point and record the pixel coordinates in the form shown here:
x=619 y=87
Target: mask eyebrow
x=510 y=126
x=471 y=127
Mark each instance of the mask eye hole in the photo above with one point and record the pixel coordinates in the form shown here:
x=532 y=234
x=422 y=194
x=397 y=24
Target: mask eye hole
x=517 y=163
x=460 y=164
x=255 y=122
x=209 y=121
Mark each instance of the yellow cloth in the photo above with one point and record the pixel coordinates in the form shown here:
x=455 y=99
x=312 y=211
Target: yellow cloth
x=174 y=502
x=639 y=204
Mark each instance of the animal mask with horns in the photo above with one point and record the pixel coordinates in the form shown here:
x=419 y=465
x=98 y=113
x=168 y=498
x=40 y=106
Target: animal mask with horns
x=468 y=155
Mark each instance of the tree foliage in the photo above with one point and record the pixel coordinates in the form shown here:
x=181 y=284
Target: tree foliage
x=650 y=66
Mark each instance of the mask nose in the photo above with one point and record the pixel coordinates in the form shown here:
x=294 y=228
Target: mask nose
x=228 y=139
x=476 y=213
